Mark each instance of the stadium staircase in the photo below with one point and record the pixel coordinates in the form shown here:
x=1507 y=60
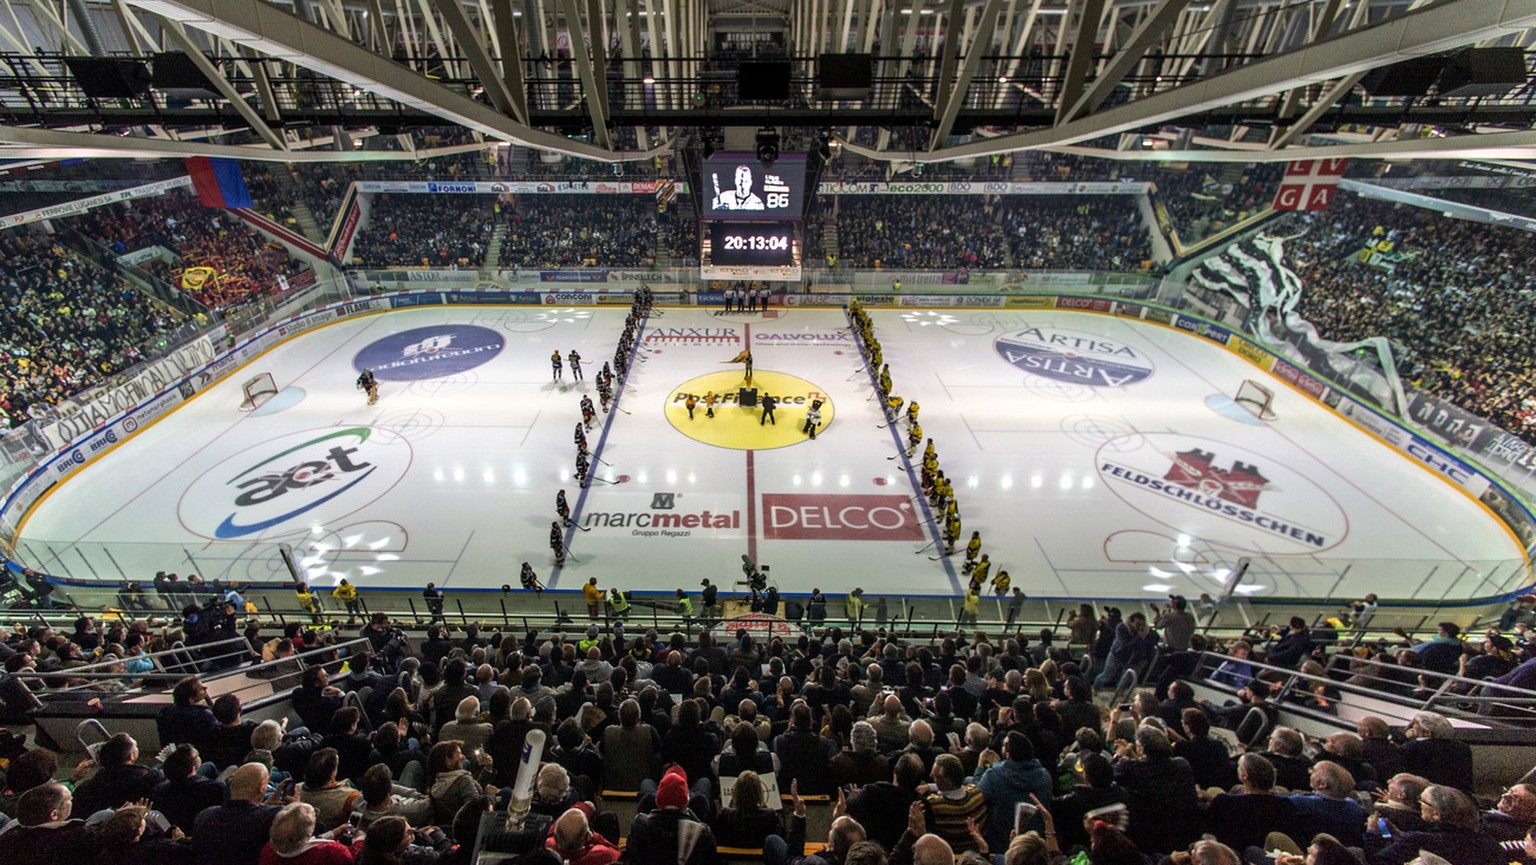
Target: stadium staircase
x=307 y=224
x=493 y=252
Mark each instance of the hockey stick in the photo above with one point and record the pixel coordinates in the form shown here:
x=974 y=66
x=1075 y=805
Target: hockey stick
x=572 y=557
x=604 y=462
x=574 y=524
x=606 y=481
x=945 y=556
x=925 y=547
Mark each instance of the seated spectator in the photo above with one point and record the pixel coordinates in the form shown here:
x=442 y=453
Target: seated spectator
x=803 y=754
x=881 y=808
x=1292 y=771
x=467 y=727
x=1452 y=833
x=580 y=758
x=1377 y=747
x=748 y=821
x=353 y=749
x=1235 y=672
x=1434 y=752
x=126 y=841
x=1514 y=815
x=1206 y=757
x=332 y=800
x=1399 y=802
x=293 y=841
x=449 y=784
x=572 y=837
x=1329 y=809
x=233 y=833
x=1095 y=789
x=227 y=744
x=747 y=713
x=891 y=724
x=844 y=833
x=118 y=779
x=188 y=719
x=860 y=763
x=630 y=750
x=184 y=794
x=553 y=794
x=46 y=835
x=1161 y=790
x=316 y=700
x=657 y=837
x=381 y=797
x=688 y=743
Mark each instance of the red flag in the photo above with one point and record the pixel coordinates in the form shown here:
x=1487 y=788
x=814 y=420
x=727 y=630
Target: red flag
x=1309 y=184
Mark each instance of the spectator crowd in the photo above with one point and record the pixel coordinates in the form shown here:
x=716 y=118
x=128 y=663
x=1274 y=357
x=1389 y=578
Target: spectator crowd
x=955 y=751
x=1457 y=295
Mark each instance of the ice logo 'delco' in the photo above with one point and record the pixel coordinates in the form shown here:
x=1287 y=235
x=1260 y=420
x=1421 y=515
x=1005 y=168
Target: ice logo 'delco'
x=1073 y=357
x=430 y=352
x=308 y=479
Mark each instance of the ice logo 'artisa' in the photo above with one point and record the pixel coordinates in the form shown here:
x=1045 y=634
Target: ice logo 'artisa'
x=430 y=345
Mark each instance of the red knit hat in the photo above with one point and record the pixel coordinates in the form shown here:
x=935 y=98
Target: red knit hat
x=673 y=791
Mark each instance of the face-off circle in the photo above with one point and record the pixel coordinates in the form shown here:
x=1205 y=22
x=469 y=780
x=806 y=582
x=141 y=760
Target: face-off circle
x=740 y=426
x=437 y=351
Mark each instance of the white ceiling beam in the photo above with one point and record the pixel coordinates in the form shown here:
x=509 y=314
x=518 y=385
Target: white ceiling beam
x=277 y=33
x=257 y=123
x=1147 y=34
x=1429 y=30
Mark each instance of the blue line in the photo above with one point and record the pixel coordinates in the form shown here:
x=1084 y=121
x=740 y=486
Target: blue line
x=618 y=396
x=901 y=449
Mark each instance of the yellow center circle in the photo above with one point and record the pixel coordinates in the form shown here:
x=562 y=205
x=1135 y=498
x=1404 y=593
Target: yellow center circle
x=742 y=428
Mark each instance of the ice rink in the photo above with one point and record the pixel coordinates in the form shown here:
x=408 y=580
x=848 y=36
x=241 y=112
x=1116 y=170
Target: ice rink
x=1098 y=457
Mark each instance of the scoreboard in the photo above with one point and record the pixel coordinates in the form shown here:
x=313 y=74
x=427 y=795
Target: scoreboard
x=751 y=217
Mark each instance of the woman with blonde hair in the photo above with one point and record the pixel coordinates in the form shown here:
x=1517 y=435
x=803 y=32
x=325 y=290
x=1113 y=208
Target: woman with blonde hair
x=749 y=821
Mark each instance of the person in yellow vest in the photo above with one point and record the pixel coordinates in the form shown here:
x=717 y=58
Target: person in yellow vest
x=346 y=594
x=970 y=606
x=709 y=403
x=855 y=605
x=689 y=403
x=684 y=606
x=594 y=598
x=619 y=602
x=308 y=602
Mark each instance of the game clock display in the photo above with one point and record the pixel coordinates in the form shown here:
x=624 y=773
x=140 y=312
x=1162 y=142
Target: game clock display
x=734 y=244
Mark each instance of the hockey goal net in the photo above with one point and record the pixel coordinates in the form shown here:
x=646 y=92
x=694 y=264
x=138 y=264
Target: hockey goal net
x=1256 y=398
x=257 y=389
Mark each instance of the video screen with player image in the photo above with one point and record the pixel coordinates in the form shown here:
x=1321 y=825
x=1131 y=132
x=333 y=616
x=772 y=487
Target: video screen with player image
x=738 y=186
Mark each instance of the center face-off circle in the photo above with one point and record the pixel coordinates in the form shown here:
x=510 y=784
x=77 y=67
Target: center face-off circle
x=740 y=428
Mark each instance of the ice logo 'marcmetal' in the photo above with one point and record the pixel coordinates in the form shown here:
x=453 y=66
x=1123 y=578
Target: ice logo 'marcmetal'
x=1077 y=358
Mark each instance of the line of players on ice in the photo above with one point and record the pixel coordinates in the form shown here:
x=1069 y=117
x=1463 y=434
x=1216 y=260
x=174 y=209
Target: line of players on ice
x=643 y=305
x=938 y=489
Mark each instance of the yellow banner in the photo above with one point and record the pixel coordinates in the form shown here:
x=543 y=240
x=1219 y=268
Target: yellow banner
x=197 y=278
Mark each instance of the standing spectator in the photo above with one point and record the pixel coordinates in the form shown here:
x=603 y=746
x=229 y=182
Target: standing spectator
x=1176 y=622
x=803 y=754
x=1008 y=781
x=1292 y=647
x=594 y=598
x=433 y=596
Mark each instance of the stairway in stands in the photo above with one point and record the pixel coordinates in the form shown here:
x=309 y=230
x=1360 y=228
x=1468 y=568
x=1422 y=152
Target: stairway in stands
x=307 y=224
x=493 y=252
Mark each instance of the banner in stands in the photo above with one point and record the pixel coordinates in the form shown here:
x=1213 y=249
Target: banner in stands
x=152 y=378
x=148 y=253
x=518 y=187
x=71 y=208
x=1451 y=422
x=962 y=187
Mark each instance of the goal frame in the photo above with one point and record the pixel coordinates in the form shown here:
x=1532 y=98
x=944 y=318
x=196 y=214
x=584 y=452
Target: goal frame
x=256 y=390
x=1257 y=398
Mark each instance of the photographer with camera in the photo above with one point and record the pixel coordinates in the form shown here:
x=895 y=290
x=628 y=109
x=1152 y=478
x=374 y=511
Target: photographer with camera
x=387 y=642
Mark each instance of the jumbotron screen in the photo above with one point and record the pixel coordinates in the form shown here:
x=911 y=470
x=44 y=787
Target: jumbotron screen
x=736 y=186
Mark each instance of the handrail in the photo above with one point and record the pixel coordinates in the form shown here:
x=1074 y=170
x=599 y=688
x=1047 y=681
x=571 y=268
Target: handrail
x=303 y=660
x=1519 y=699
